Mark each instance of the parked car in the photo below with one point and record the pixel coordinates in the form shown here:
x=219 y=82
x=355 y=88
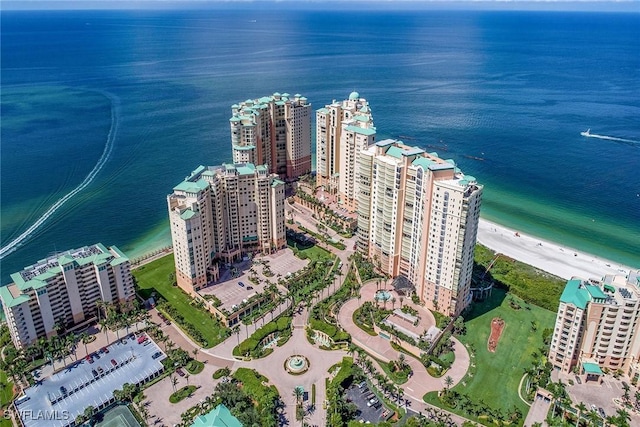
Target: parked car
x=94 y=372
x=113 y=362
x=241 y=284
x=63 y=390
x=156 y=355
x=100 y=370
x=602 y=413
x=362 y=384
x=180 y=372
x=372 y=402
x=249 y=288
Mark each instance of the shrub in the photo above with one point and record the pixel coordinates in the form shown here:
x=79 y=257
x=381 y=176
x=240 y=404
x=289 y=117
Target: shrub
x=181 y=394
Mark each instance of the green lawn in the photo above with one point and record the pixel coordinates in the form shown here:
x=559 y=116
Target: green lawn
x=315 y=253
x=6 y=389
x=156 y=276
x=496 y=376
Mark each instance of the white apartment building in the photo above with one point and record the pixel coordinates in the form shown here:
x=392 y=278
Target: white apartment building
x=63 y=290
x=597 y=326
x=343 y=129
x=418 y=218
x=223 y=213
x=273 y=130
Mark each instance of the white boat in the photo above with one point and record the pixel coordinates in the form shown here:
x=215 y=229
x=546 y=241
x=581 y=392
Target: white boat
x=586 y=133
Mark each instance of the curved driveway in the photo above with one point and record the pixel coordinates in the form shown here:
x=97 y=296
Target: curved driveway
x=420 y=382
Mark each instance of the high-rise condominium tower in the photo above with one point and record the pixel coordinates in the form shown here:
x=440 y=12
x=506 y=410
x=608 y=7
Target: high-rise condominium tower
x=222 y=213
x=343 y=129
x=62 y=291
x=418 y=217
x=597 y=326
x=273 y=130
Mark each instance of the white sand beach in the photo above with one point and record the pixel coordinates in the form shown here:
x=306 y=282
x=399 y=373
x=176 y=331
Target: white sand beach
x=553 y=258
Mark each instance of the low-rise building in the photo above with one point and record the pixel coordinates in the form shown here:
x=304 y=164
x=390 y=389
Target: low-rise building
x=62 y=291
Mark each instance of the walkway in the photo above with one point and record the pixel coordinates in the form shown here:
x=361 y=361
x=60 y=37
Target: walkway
x=420 y=382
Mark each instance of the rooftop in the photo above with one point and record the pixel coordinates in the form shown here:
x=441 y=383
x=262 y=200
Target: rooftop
x=218 y=417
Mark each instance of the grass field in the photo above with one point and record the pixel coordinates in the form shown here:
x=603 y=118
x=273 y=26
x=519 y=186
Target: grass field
x=315 y=253
x=496 y=376
x=6 y=389
x=156 y=276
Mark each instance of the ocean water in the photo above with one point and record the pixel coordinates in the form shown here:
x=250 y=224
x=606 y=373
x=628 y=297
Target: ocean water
x=111 y=109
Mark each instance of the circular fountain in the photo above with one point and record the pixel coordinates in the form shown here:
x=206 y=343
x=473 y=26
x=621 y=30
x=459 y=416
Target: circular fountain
x=296 y=364
x=382 y=295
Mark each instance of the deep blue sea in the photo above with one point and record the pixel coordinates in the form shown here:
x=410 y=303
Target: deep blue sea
x=127 y=103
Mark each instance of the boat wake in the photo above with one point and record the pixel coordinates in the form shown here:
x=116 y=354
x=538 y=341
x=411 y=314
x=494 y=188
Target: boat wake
x=588 y=134
x=106 y=154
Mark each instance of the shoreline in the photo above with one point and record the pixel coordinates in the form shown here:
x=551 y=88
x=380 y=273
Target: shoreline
x=554 y=258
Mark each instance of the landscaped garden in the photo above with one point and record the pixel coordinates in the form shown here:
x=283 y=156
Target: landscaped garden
x=520 y=341
x=158 y=277
x=182 y=394
x=278 y=330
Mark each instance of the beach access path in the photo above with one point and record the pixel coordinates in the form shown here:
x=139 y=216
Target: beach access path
x=551 y=257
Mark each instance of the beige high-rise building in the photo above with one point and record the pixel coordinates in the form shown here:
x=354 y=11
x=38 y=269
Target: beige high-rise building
x=222 y=213
x=62 y=291
x=597 y=326
x=273 y=130
x=343 y=129
x=418 y=218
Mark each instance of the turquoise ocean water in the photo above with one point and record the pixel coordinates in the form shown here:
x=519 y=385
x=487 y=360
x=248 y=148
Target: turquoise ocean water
x=125 y=103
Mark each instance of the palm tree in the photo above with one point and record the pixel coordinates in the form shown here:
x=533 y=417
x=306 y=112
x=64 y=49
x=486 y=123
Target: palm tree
x=581 y=407
x=84 y=338
x=622 y=418
x=174 y=382
x=195 y=353
x=298 y=393
x=448 y=381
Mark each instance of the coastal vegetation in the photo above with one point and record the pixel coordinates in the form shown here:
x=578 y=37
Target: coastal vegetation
x=471 y=397
x=157 y=279
x=529 y=283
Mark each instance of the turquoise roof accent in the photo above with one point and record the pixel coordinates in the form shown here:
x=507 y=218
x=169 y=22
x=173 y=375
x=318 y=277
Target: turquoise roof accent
x=609 y=288
x=218 y=417
x=187 y=214
x=423 y=161
x=323 y=110
x=244 y=147
x=470 y=178
x=262 y=168
x=592 y=368
x=394 y=151
x=8 y=300
x=235 y=119
x=192 y=187
x=196 y=172
x=385 y=142
x=286 y=95
x=575 y=294
x=65 y=259
x=361 y=131
x=354 y=96
x=276 y=182
x=595 y=292
x=453 y=162
x=265 y=99
x=361 y=118
x=434 y=154
x=246 y=169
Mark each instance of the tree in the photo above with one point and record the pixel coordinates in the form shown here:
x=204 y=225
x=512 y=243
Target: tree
x=89 y=411
x=622 y=418
x=84 y=338
x=195 y=353
x=581 y=407
x=448 y=382
x=174 y=382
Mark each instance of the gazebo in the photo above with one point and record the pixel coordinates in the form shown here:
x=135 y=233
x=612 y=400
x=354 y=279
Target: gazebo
x=403 y=286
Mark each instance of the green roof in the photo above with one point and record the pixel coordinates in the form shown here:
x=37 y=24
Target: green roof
x=361 y=118
x=394 y=151
x=276 y=182
x=595 y=292
x=361 y=131
x=192 y=187
x=592 y=368
x=244 y=147
x=353 y=96
x=247 y=169
x=9 y=300
x=575 y=294
x=323 y=110
x=609 y=288
x=65 y=259
x=187 y=214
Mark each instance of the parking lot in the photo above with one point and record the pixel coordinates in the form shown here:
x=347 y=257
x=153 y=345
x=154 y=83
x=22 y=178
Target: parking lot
x=90 y=381
x=370 y=409
x=230 y=292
